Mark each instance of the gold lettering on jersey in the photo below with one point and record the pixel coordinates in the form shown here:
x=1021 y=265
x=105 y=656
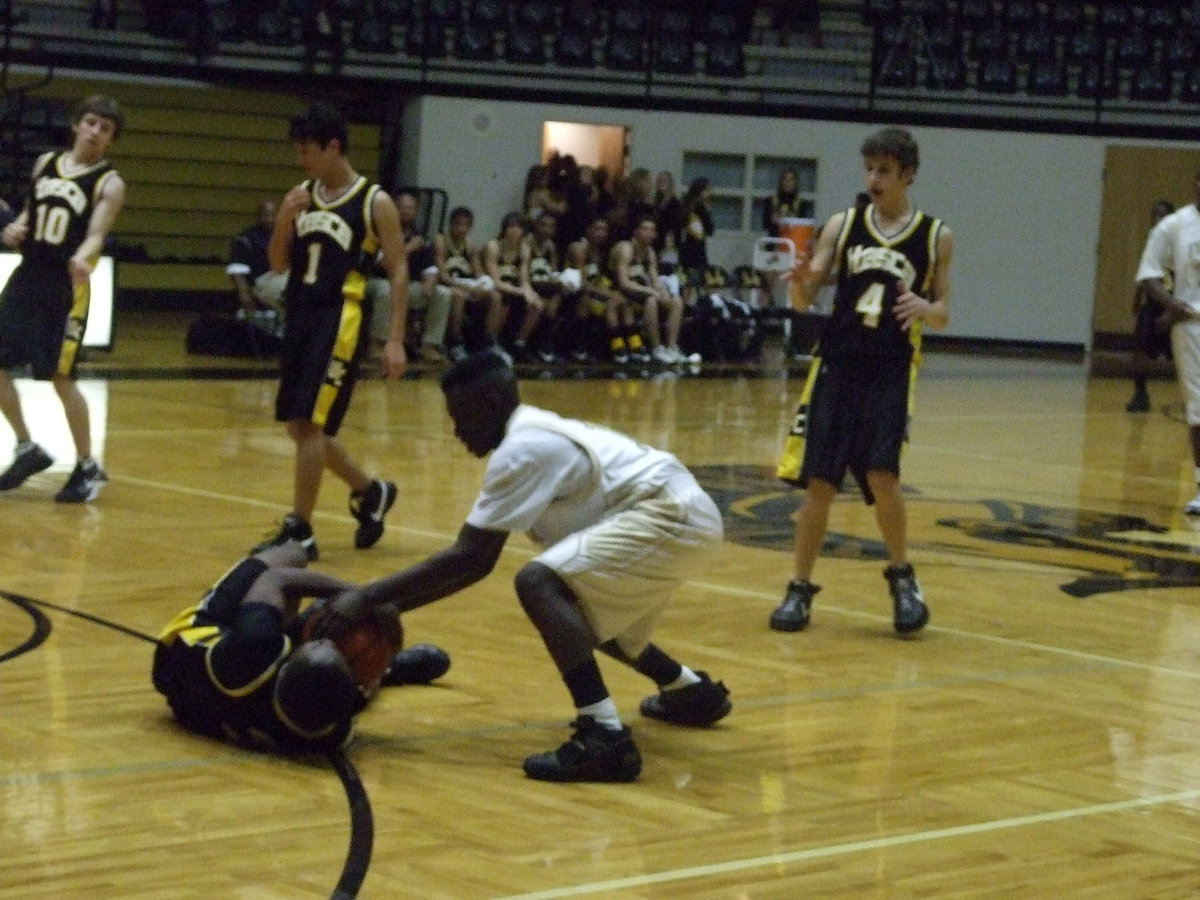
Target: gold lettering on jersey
x=327 y=223
x=63 y=189
x=885 y=259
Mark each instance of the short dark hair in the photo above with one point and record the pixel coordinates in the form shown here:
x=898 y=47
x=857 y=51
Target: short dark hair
x=105 y=108
x=320 y=123
x=460 y=211
x=511 y=219
x=478 y=365
x=896 y=143
x=314 y=697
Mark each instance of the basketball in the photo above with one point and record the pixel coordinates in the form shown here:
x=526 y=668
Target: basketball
x=368 y=645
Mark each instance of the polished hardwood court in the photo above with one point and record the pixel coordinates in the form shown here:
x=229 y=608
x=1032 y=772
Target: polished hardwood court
x=1040 y=738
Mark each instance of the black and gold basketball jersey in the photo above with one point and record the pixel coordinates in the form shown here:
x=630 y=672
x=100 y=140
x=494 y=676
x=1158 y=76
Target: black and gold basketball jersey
x=458 y=258
x=782 y=206
x=508 y=264
x=543 y=261
x=870 y=268
x=236 y=704
x=596 y=271
x=639 y=266
x=60 y=208
x=333 y=247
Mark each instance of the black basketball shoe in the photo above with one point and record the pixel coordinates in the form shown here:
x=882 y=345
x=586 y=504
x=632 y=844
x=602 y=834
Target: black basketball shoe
x=594 y=753
x=85 y=483
x=26 y=463
x=910 y=611
x=698 y=704
x=418 y=664
x=369 y=506
x=796 y=609
x=295 y=529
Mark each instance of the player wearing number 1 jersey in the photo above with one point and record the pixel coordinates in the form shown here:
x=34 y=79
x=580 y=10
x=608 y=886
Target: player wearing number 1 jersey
x=893 y=276
x=327 y=231
x=73 y=201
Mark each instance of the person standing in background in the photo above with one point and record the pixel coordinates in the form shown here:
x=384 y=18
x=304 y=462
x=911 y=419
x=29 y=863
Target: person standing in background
x=1150 y=339
x=1172 y=252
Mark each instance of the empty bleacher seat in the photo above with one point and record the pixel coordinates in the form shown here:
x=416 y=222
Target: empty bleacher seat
x=524 y=45
x=629 y=18
x=475 y=42
x=674 y=55
x=488 y=13
x=897 y=69
x=1097 y=81
x=724 y=59
x=946 y=73
x=1048 y=78
x=1036 y=43
x=997 y=75
x=535 y=14
x=1065 y=16
x=574 y=48
x=625 y=52
x=1189 y=89
x=426 y=39
x=1150 y=82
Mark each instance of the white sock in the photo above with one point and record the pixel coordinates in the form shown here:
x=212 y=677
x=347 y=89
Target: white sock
x=686 y=677
x=604 y=712
x=25 y=446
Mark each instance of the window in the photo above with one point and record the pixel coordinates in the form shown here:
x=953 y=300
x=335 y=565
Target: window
x=742 y=185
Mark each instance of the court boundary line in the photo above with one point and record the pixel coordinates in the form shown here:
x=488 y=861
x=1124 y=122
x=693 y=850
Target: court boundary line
x=850 y=847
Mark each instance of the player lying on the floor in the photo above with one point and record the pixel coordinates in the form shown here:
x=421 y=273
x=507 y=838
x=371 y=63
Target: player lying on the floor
x=235 y=666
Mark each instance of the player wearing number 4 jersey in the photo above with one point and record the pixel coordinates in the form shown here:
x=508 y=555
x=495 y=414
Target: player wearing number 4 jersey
x=328 y=229
x=893 y=276
x=73 y=202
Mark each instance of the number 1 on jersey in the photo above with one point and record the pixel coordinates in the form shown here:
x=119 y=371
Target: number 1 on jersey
x=314 y=260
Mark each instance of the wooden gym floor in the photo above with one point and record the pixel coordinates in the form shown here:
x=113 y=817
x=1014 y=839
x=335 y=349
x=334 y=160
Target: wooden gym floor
x=1041 y=738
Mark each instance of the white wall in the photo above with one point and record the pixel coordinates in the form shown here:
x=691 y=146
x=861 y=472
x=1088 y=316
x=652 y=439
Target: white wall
x=1025 y=209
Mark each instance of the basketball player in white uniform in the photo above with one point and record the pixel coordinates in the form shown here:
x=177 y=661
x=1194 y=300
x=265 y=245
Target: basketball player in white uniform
x=620 y=524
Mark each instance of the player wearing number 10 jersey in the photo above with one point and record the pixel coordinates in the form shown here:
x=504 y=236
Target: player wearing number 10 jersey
x=73 y=202
x=893 y=276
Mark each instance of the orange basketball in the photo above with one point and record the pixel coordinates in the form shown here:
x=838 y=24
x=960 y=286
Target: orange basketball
x=368 y=645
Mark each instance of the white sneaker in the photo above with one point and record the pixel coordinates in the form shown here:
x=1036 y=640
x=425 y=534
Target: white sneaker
x=1193 y=507
x=661 y=354
x=689 y=358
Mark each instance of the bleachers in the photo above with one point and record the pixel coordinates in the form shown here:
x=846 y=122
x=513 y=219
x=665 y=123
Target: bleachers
x=1124 y=55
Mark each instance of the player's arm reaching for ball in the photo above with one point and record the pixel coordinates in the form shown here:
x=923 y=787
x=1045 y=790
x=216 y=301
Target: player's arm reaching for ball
x=468 y=560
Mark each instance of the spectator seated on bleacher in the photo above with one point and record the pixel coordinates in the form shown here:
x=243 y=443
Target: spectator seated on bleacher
x=473 y=292
x=258 y=290
x=429 y=302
